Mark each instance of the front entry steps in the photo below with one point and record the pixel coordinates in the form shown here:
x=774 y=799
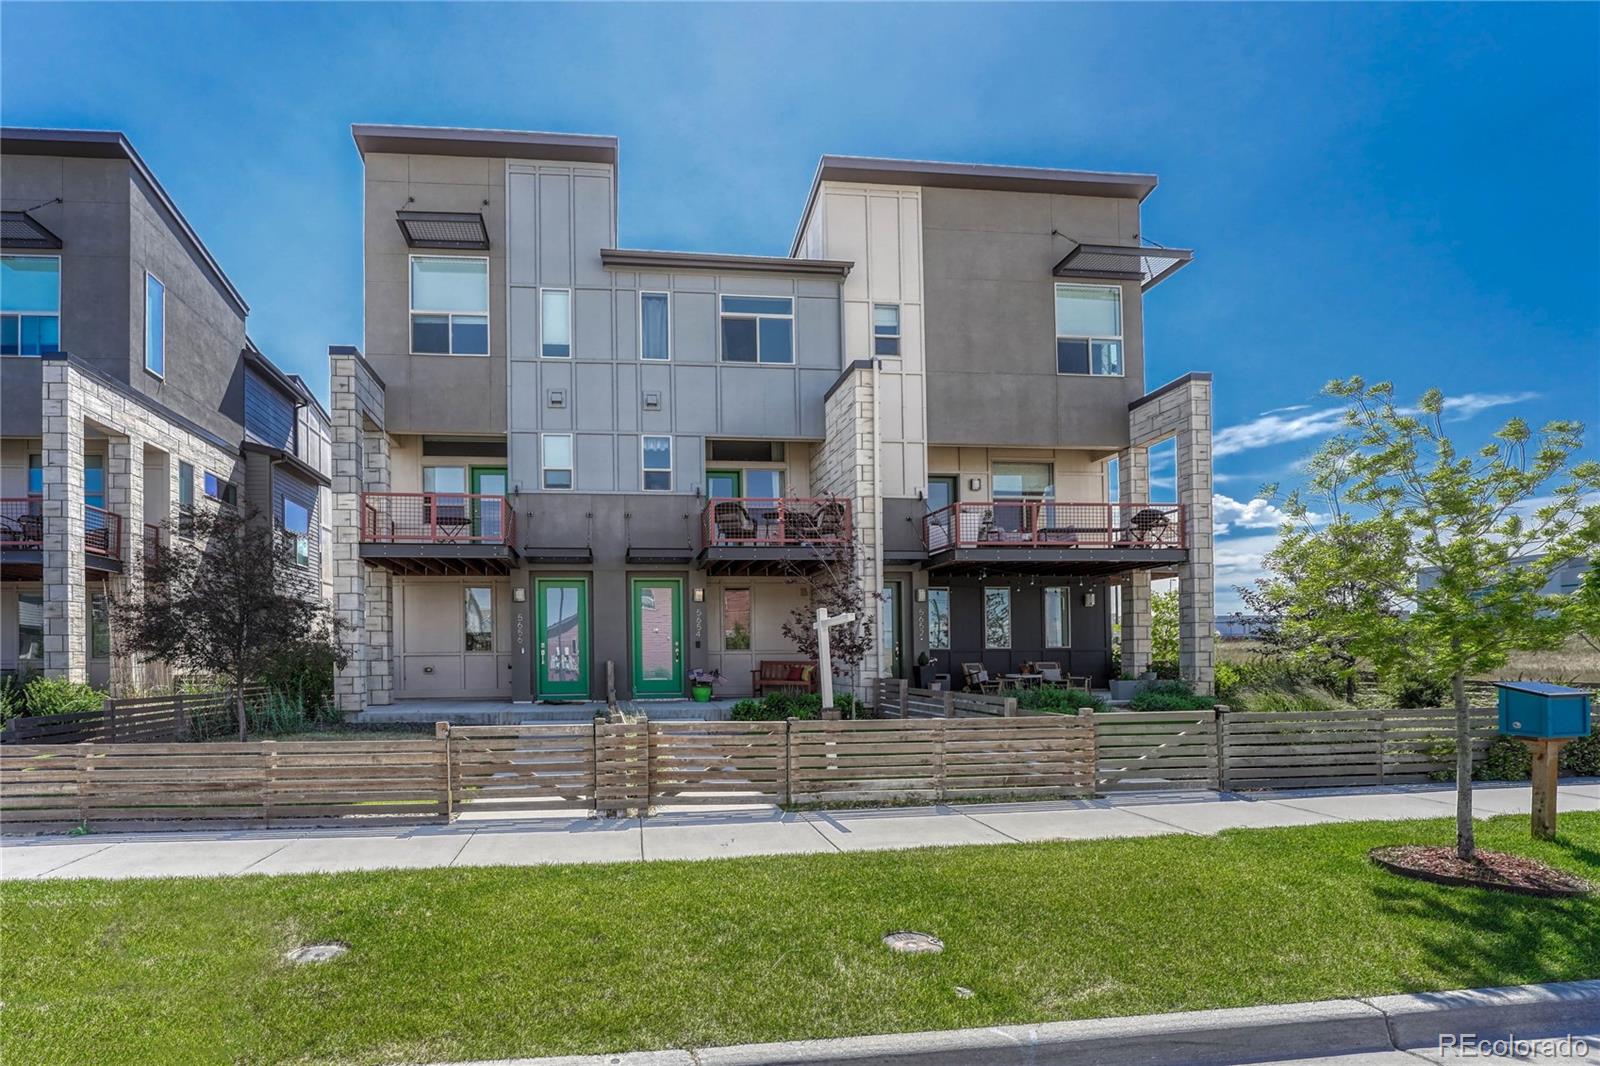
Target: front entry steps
x=504 y=712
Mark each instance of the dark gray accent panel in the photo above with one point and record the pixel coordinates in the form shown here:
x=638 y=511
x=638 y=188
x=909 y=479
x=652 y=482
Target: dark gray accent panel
x=268 y=413
x=902 y=526
x=21 y=396
x=1090 y=653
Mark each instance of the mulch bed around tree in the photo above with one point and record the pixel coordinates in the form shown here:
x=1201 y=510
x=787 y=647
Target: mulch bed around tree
x=1489 y=869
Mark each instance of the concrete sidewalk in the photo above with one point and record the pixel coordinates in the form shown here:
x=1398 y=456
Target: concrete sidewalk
x=728 y=832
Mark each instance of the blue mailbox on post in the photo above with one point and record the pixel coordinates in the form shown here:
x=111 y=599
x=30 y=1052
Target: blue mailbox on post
x=1538 y=710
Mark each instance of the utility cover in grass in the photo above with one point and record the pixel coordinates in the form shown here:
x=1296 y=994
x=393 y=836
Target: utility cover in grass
x=316 y=953
x=907 y=942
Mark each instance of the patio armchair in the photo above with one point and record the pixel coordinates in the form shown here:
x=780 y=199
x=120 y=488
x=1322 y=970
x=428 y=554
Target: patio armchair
x=978 y=679
x=733 y=522
x=1051 y=672
x=829 y=523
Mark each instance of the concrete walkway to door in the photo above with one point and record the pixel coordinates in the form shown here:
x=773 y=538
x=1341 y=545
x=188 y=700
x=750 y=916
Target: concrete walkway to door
x=710 y=834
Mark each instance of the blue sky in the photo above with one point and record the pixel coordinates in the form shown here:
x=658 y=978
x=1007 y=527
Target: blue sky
x=1403 y=192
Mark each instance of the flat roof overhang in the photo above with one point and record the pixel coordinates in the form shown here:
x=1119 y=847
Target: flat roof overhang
x=443 y=559
x=504 y=144
x=650 y=260
x=551 y=556
x=1063 y=562
x=1149 y=266
x=759 y=561
x=679 y=556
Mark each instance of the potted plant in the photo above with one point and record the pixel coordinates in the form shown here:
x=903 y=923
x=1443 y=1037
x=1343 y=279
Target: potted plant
x=700 y=683
x=927 y=671
x=1126 y=686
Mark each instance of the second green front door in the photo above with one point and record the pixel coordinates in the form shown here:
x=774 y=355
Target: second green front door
x=657 y=636
x=563 y=637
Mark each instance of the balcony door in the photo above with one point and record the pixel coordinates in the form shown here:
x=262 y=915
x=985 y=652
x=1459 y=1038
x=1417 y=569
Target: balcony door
x=562 y=629
x=724 y=484
x=488 y=520
x=657 y=636
x=1017 y=488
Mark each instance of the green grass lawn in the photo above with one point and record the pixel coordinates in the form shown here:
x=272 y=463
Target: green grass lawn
x=484 y=963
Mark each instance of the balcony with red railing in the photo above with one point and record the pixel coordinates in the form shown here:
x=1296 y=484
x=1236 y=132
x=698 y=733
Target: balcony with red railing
x=22 y=527
x=744 y=534
x=435 y=518
x=1046 y=524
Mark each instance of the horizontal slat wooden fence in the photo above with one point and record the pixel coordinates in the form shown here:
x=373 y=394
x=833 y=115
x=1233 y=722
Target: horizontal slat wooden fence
x=132 y=786
x=522 y=767
x=140 y=719
x=718 y=762
x=1298 y=749
x=897 y=699
x=1141 y=751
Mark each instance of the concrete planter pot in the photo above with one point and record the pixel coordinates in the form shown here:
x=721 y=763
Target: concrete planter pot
x=1125 y=690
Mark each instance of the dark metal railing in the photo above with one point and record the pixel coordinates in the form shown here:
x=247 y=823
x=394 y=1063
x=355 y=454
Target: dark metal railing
x=152 y=543
x=789 y=522
x=22 y=526
x=102 y=532
x=435 y=518
x=1047 y=524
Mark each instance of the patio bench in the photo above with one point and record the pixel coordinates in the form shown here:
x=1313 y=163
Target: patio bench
x=783 y=674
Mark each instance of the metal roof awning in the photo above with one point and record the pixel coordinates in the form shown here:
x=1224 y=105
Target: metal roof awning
x=18 y=229
x=1148 y=266
x=443 y=229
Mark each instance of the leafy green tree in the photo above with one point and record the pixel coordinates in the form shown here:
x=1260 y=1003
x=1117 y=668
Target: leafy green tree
x=1164 y=627
x=230 y=602
x=1392 y=500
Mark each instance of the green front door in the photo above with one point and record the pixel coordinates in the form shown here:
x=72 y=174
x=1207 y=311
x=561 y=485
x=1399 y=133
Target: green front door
x=488 y=522
x=723 y=484
x=657 y=636
x=563 y=637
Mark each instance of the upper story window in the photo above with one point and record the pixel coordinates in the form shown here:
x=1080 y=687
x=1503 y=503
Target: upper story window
x=757 y=329
x=654 y=325
x=35 y=474
x=885 y=329
x=155 y=326
x=297 y=526
x=555 y=460
x=30 y=304
x=555 y=323
x=449 y=305
x=1089 y=329
x=656 y=462
x=220 y=489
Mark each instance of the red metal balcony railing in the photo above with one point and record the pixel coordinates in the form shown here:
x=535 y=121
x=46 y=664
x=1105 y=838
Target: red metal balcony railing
x=1047 y=524
x=22 y=527
x=748 y=522
x=102 y=532
x=435 y=518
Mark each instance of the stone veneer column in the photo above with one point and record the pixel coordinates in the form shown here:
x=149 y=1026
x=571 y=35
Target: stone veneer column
x=125 y=497
x=1133 y=476
x=848 y=465
x=360 y=593
x=1182 y=410
x=66 y=609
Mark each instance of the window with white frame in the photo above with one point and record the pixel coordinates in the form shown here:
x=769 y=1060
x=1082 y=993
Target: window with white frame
x=1057 y=617
x=30 y=304
x=155 y=326
x=449 y=305
x=297 y=527
x=656 y=459
x=555 y=323
x=885 y=329
x=1089 y=329
x=939 y=619
x=997 y=618
x=655 y=325
x=555 y=460
x=757 y=329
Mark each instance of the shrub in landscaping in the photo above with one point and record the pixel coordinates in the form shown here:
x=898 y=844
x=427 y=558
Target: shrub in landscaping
x=1412 y=689
x=776 y=706
x=1276 y=684
x=54 y=695
x=13 y=702
x=304 y=670
x=1059 y=700
x=1170 y=696
x=1504 y=760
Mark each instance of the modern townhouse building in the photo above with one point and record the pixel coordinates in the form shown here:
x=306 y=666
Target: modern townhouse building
x=556 y=453
x=130 y=395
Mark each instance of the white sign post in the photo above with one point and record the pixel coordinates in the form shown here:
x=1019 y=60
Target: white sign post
x=824 y=659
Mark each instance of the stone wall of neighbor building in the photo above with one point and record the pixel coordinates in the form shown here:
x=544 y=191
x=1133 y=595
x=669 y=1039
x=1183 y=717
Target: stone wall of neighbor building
x=1180 y=411
x=361 y=594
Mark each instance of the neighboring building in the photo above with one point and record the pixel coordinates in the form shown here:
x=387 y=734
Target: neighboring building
x=162 y=405
x=557 y=452
x=1564 y=580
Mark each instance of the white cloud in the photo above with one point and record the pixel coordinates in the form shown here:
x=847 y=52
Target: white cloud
x=1286 y=410
x=1238 y=562
x=1285 y=424
x=1227 y=512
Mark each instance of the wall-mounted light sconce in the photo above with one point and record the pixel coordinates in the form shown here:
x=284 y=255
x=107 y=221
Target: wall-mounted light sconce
x=1088 y=599
x=922 y=595
x=975 y=484
x=699 y=595
x=519 y=595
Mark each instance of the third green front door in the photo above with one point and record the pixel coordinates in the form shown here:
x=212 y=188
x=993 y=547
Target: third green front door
x=657 y=636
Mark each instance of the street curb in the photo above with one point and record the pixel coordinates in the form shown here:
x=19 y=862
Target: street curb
x=1194 y=1038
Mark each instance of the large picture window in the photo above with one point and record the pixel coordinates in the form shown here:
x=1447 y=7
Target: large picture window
x=30 y=304
x=297 y=526
x=480 y=619
x=939 y=619
x=655 y=325
x=1089 y=330
x=449 y=305
x=1057 y=618
x=997 y=618
x=555 y=323
x=757 y=329
x=735 y=619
